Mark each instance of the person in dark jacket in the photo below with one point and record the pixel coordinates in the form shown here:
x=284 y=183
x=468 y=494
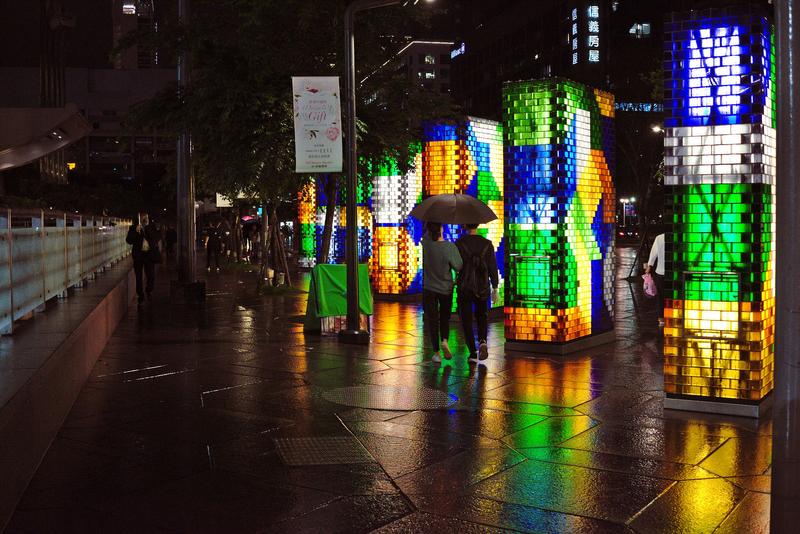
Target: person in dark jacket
x=144 y=239
x=480 y=270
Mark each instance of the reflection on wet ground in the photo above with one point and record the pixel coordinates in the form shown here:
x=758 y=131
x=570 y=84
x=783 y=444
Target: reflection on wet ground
x=176 y=430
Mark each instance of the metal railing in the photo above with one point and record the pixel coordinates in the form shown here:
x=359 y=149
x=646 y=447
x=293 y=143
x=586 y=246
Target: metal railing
x=44 y=253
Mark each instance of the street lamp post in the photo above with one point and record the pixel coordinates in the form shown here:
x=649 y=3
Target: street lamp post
x=785 y=495
x=353 y=333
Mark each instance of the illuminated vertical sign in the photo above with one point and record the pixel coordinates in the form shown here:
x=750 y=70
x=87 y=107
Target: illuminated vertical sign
x=467 y=158
x=559 y=214
x=720 y=190
x=307 y=219
x=593 y=29
x=395 y=266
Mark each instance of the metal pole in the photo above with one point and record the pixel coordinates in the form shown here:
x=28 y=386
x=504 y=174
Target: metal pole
x=353 y=333
x=785 y=500
x=185 y=189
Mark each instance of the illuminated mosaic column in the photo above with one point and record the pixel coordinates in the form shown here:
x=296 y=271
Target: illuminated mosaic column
x=307 y=218
x=559 y=209
x=467 y=158
x=720 y=179
x=395 y=266
x=339 y=232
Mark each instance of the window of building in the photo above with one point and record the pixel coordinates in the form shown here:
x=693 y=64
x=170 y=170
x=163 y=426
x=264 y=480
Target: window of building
x=430 y=59
x=640 y=30
x=429 y=75
x=128 y=8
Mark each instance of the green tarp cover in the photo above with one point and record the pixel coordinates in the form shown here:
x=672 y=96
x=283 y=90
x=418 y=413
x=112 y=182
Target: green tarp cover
x=327 y=294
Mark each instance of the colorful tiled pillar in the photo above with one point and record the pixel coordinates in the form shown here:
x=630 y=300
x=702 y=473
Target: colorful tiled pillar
x=339 y=232
x=467 y=158
x=720 y=194
x=559 y=215
x=396 y=263
x=307 y=219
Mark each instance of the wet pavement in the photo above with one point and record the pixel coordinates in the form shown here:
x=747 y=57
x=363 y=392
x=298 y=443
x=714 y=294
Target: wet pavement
x=226 y=418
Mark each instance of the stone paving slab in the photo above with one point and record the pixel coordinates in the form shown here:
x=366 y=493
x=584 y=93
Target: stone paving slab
x=177 y=426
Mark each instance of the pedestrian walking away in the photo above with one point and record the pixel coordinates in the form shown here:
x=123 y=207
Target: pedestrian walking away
x=439 y=259
x=657 y=260
x=144 y=239
x=213 y=245
x=477 y=275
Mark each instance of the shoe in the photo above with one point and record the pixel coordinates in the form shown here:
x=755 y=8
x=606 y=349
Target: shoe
x=473 y=357
x=436 y=358
x=218 y=269
x=446 y=350
x=208 y=269
x=483 y=351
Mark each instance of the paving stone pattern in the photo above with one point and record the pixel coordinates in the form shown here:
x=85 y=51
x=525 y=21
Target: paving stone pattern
x=192 y=416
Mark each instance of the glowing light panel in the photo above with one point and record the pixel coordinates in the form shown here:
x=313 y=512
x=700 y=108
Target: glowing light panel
x=467 y=158
x=559 y=210
x=720 y=179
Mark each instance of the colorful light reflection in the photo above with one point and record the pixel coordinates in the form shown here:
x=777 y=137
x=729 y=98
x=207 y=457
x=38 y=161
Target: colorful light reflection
x=559 y=206
x=720 y=179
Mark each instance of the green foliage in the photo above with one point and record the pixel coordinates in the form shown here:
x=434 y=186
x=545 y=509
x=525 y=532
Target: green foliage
x=243 y=54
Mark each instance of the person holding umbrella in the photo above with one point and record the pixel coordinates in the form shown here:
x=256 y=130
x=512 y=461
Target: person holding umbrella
x=480 y=268
x=439 y=259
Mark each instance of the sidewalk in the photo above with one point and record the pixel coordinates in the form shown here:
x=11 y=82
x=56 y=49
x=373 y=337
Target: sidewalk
x=209 y=420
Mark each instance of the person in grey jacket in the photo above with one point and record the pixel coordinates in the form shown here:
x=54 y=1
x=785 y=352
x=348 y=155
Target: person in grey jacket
x=439 y=259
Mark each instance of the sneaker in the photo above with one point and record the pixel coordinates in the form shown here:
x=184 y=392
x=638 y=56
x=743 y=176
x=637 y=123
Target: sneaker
x=446 y=350
x=473 y=357
x=483 y=351
x=208 y=269
x=436 y=358
x=217 y=269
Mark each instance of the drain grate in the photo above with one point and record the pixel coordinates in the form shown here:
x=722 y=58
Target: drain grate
x=326 y=450
x=391 y=398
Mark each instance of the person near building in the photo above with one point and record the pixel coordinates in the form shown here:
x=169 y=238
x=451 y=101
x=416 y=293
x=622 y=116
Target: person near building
x=144 y=239
x=656 y=260
x=478 y=274
x=213 y=245
x=439 y=259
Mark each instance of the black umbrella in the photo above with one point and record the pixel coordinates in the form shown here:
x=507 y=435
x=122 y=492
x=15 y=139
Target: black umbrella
x=453 y=209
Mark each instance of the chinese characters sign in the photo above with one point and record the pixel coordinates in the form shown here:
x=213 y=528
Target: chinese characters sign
x=317 y=124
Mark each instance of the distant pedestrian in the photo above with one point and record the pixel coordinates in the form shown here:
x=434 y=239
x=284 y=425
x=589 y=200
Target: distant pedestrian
x=439 y=259
x=144 y=239
x=213 y=245
x=478 y=272
x=657 y=260
x=170 y=240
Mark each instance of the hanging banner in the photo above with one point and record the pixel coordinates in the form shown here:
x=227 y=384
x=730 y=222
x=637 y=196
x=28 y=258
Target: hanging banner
x=317 y=124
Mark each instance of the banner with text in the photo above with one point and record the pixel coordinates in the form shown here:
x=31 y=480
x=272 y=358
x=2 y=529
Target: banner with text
x=317 y=124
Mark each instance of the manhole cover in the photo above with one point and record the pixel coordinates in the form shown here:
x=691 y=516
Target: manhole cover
x=391 y=398
x=329 y=450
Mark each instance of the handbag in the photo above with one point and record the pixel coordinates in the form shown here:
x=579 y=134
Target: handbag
x=650 y=289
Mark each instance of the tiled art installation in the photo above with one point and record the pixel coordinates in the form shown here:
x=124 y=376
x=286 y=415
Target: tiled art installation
x=396 y=263
x=307 y=219
x=559 y=211
x=720 y=190
x=338 y=236
x=467 y=158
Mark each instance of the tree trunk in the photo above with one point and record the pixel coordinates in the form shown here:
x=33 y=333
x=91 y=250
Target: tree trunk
x=330 y=207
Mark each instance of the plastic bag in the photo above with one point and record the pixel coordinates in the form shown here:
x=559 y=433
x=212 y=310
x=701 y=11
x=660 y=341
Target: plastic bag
x=650 y=289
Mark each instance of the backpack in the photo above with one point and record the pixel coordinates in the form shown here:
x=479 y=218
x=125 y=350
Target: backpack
x=474 y=276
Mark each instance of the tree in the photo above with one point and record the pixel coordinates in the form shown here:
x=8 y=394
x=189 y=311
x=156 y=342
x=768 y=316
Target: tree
x=238 y=109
